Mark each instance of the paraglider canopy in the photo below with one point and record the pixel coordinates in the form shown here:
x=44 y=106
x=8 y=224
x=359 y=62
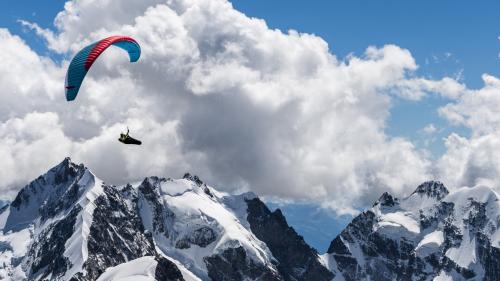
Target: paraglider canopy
x=84 y=59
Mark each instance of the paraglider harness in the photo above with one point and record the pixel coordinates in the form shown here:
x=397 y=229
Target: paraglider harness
x=126 y=139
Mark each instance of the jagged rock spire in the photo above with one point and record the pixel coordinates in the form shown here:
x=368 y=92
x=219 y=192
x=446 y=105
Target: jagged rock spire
x=434 y=189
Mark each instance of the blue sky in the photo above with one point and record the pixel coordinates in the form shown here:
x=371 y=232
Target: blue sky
x=447 y=38
x=41 y=12
x=316 y=225
x=429 y=29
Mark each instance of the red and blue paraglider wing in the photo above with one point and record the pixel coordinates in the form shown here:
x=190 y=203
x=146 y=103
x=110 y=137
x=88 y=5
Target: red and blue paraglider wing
x=84 y=59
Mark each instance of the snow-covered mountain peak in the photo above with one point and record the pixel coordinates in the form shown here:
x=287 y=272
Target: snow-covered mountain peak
x=476 y=208
x=55 y=207
x=69 y=225
x=49 y=194
x=193 y=178
x=58 y=177
x=65 y=165
x=430 y=234
x=480 y=193
x=386 y=200
x=191 y=221
x=434 y=189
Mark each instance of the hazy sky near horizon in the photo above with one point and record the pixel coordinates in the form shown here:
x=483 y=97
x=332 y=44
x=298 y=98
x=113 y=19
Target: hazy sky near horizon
x=293 y=100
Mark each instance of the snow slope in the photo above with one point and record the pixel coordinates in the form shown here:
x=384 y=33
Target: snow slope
x=430 y=234
x=200 y=223
x=141 y=269
x=68 y=224
x=37 y=208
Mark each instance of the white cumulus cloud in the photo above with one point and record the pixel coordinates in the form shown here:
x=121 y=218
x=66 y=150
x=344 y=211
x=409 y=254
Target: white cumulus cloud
x=475 y=159
x=219 y=94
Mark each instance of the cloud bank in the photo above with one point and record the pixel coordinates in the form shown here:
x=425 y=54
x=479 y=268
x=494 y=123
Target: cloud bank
x=224 y=96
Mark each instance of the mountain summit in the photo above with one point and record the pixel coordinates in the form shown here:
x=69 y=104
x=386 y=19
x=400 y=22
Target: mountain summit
x=430 y=235
x=69 y=225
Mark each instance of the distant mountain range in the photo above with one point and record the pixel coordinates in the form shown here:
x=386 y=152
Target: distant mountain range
x=69 y=225
x=430 y=235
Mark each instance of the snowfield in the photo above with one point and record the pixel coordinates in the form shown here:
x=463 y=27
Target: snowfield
x=141 y=269
x=430 y=244
x=193 y=209
x=395 y=221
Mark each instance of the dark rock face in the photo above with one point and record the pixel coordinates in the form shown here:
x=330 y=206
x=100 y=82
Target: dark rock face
x=490 y=258
x=193 y=178
x=167 y=270
x=4 y=246
x=234 y=265
x=148 y=191
x=202 y=237
x=297 y=260
x=392 y=256
x=433 y=189
x=116 y=235
x=46 y=196
x=387 y=200
x=61 y=200
x=360 y=227
x=386 y=259
x=48 y=252
x=4 y=208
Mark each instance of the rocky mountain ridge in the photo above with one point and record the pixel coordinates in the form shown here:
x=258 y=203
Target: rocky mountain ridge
x=69 y=225
x=433 y=234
